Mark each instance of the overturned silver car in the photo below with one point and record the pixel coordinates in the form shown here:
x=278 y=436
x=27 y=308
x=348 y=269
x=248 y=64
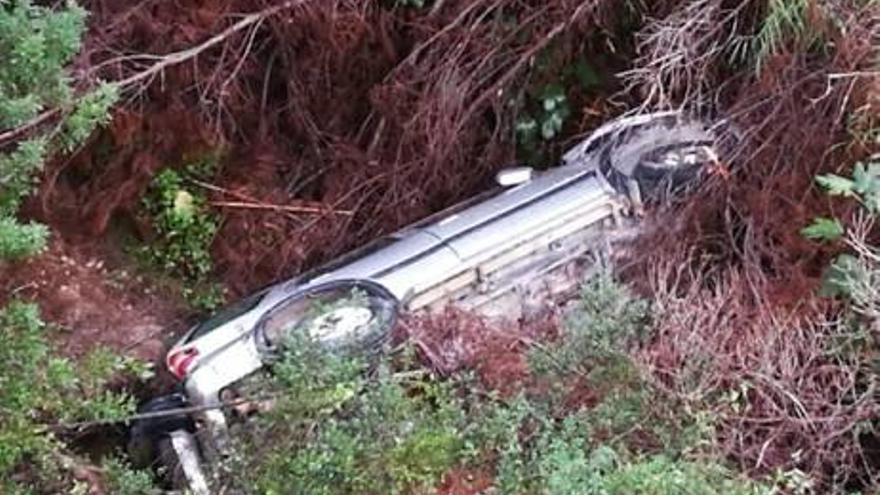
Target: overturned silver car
x=502 y=254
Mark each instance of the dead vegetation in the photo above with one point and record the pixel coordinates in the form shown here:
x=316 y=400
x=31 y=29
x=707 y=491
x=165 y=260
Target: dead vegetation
x=741 y=325
x=357 y=106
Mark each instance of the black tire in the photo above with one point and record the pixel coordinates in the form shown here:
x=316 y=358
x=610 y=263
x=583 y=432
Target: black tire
x=304 y=310
x=637 y=153
x=146 y=434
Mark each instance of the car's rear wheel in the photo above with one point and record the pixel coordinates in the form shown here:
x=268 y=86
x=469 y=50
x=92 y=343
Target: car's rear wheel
x=149 y=442
x=345 y=315
x=662 y=156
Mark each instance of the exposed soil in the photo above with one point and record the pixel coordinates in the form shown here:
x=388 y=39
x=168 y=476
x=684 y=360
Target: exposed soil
x=94 y=300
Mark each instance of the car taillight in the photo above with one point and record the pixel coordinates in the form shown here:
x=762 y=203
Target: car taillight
x=180 y=360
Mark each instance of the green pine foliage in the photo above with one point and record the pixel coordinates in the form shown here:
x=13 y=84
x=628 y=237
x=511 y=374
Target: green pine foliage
x=785 y=23
x=37 y=43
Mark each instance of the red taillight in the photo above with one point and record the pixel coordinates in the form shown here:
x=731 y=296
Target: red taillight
x=180 y=360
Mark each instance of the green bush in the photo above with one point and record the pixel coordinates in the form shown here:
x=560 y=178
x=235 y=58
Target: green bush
x=605 y=323
x=544 y=108
x=343 y=434
x=185 y=229
x=37 y=43
x=39 y=388
x=122 y=479
x=18 y=240
x=338 y=426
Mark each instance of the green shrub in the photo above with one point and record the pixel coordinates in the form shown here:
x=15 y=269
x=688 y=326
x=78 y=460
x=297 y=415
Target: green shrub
x=185 y=229
x=21 y=240
x=37 y=42
x=851 y=274
x=343 y=434
x=658 y=475
x=544 y=108
x=606 y=321
x=38 y=388
x=339 y=426
x=122 y=479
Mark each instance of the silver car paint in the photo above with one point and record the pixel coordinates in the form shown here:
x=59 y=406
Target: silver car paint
x=417 y=264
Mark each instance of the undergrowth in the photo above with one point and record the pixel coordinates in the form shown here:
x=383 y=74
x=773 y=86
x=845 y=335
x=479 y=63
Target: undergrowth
x=544 y=109
x=335 y=424
x=38 y=388
x=37 y=43
x=185 y=228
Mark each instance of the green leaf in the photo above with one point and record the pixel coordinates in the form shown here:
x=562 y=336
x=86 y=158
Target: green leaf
x=836 y=185
x=551 y=126
x=823 y=229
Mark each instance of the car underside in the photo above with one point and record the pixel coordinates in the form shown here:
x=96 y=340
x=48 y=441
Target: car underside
x=506 y=254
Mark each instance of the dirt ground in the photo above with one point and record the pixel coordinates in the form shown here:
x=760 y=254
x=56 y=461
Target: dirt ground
x=92 y=298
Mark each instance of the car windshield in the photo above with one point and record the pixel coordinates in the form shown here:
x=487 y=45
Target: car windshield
x=228 y=313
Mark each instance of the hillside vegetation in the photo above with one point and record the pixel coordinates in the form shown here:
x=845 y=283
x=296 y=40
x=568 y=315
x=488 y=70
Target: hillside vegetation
x=160 y=158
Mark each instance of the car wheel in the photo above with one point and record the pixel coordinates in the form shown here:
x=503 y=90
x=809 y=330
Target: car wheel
x=148 y=432
x=663 y=157
x=353 y=316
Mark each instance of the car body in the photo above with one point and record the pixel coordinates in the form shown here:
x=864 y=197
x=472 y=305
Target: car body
x=502 y=254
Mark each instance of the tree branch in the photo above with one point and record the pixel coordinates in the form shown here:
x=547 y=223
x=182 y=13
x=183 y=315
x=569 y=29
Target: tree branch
x=165 y=61
x=184 y=55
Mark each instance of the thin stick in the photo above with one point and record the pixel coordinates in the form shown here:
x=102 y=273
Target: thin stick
x=165 y=61
x=248 y=201
x=285 y=208
x=12 y=134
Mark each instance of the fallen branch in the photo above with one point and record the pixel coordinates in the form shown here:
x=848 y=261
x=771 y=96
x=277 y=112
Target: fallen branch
x=247 y=201
x=164 y=62
x=285 y=208
x=11 y=135
x=184 y=55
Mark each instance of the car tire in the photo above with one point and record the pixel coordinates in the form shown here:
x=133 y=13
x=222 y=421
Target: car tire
x=296 y=311
x=632 y=153
x=146 y=434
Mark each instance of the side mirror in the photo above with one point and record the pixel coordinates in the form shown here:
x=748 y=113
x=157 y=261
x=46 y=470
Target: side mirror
x=514 y=176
